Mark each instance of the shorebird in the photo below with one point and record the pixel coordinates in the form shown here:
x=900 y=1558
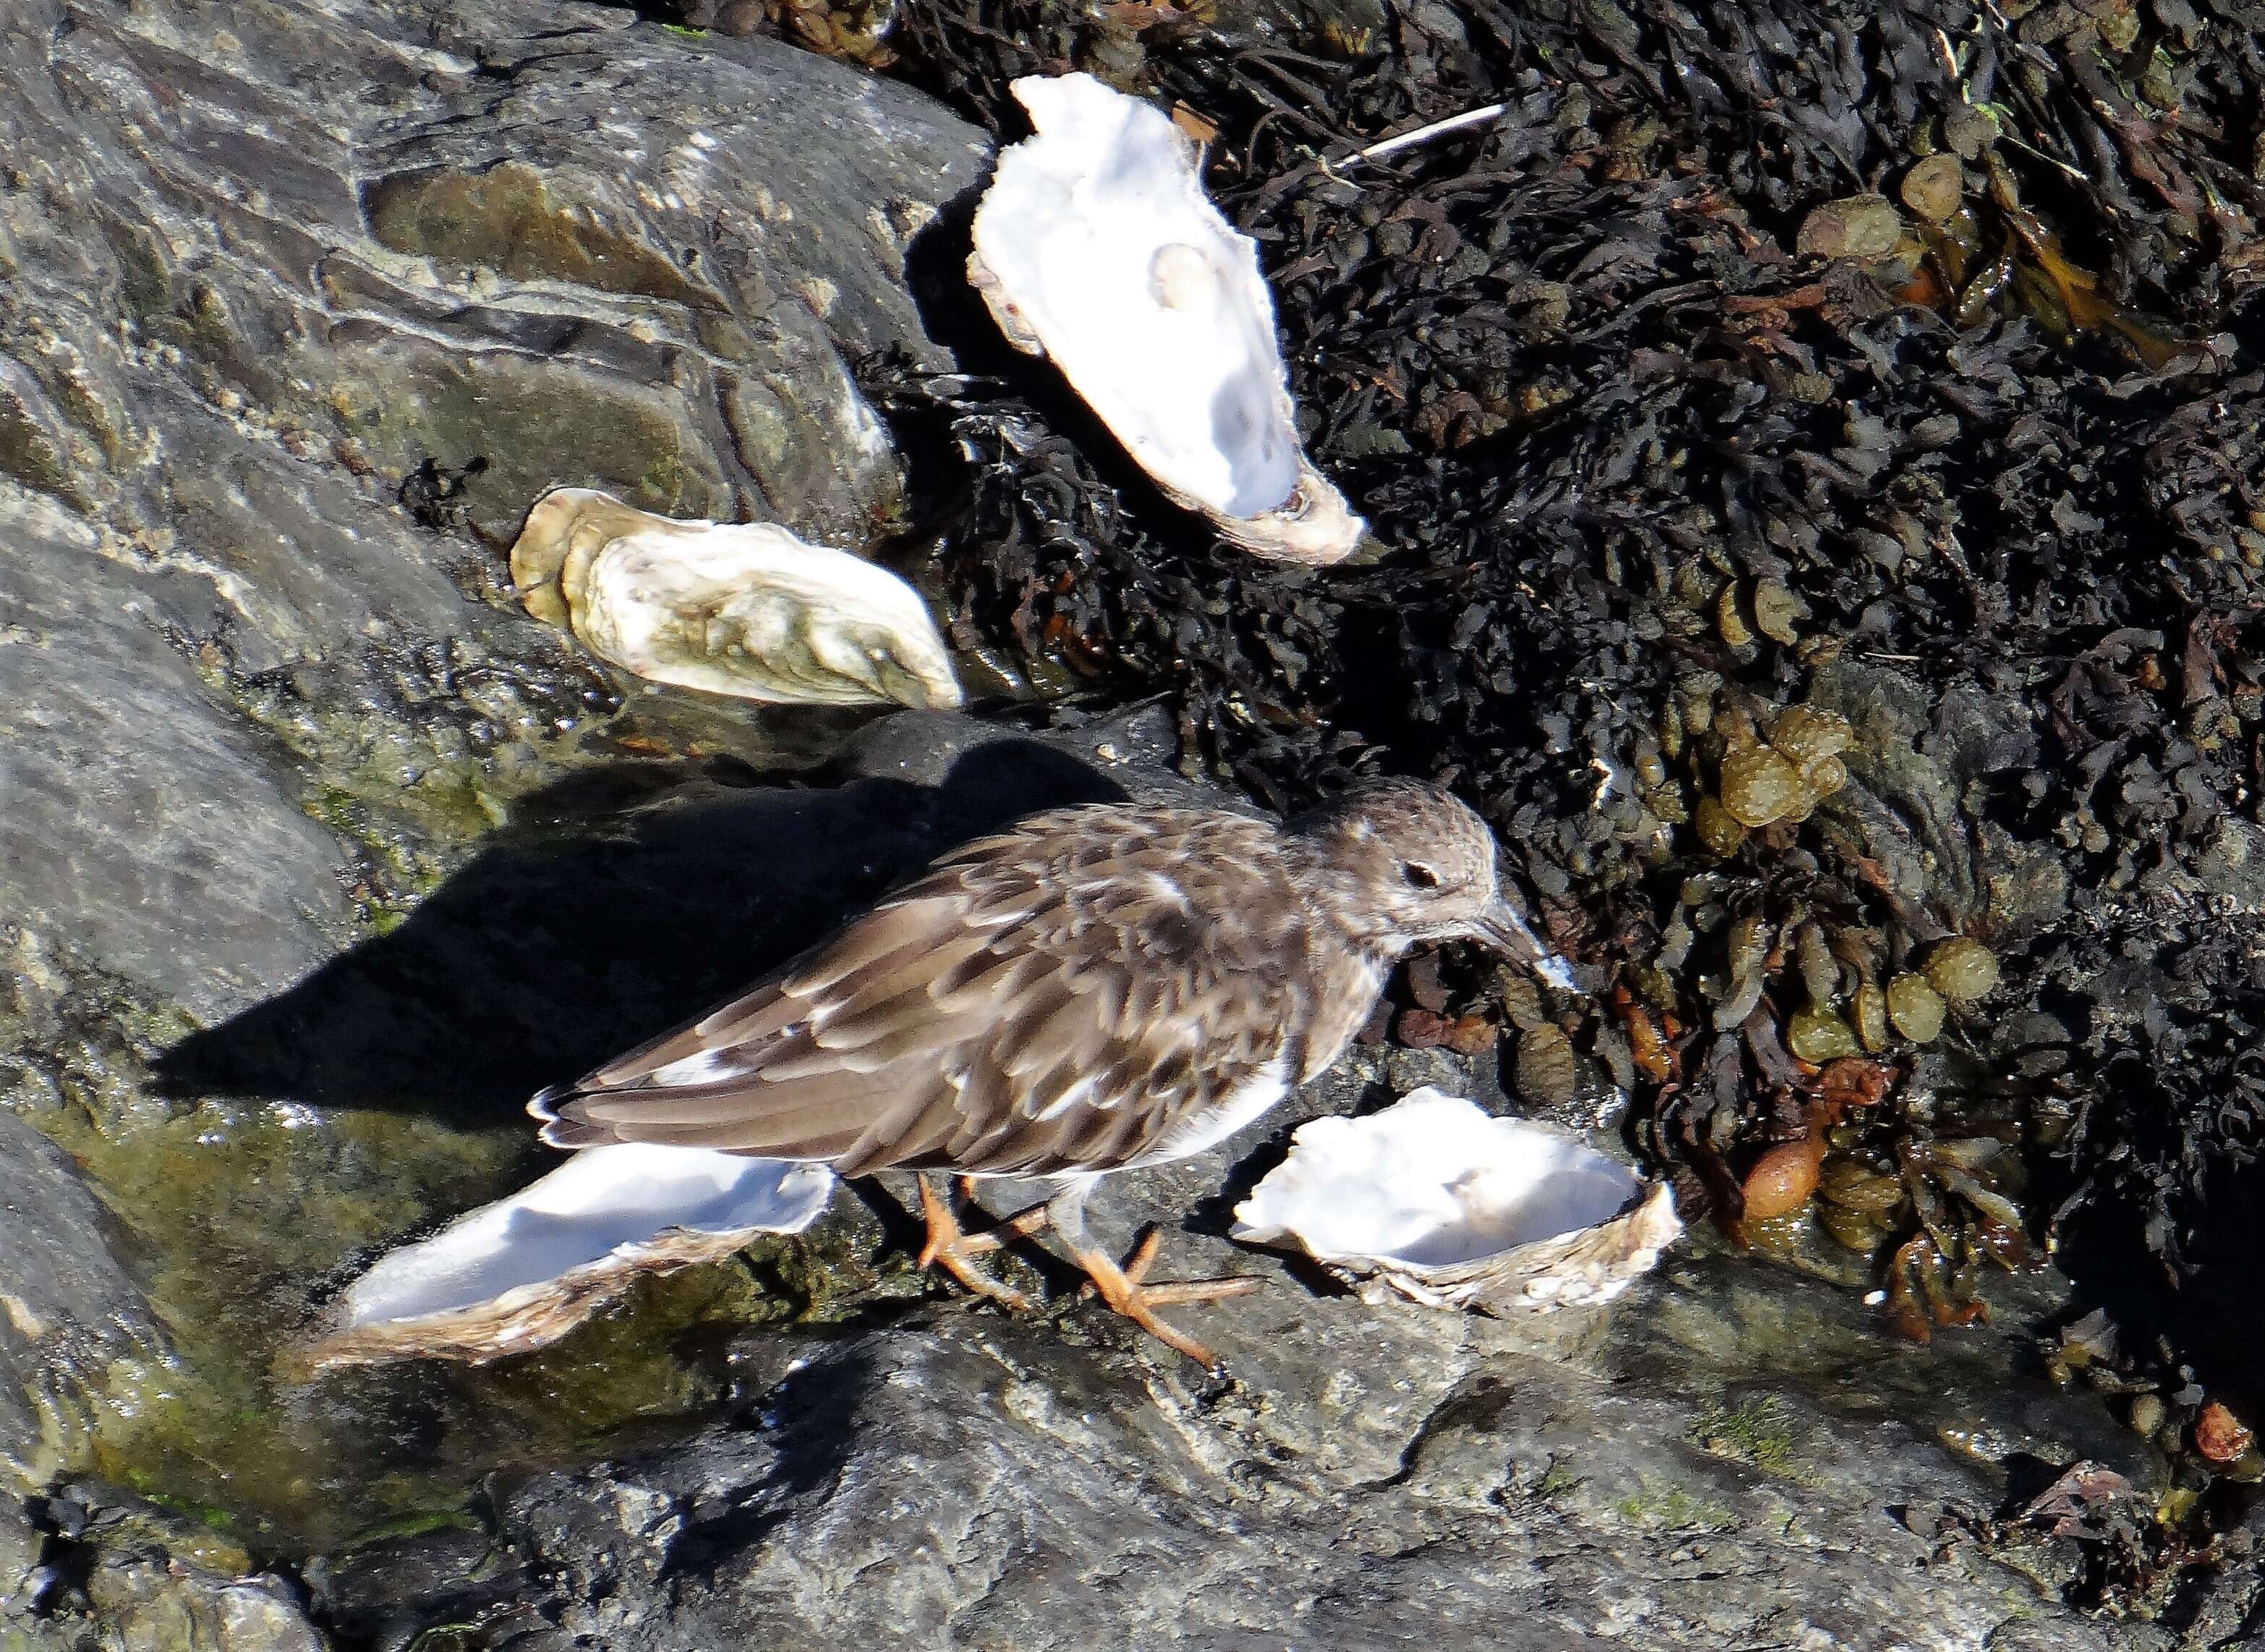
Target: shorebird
x=1095 y=989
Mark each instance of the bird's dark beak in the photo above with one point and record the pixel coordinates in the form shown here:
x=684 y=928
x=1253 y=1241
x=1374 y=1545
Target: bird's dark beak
x=1500 y=927
x=1503 y=928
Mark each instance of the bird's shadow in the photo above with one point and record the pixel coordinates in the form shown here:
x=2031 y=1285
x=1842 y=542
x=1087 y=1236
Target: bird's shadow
x=605 y=914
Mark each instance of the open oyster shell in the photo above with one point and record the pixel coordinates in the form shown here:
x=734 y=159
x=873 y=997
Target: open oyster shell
x=520 y=1273
x=1095 y=245
x=743 y=610
x=1438 y=1201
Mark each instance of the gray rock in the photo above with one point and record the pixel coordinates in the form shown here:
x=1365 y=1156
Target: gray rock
x=590 y=250
x=67 y=1310
x=137 y=1580
x=133 y=799
x=1912 y=765
x=257 y=263
x=1375 y=1478
x=260 y=727
x=126 y=1576
x=22 y=1545
x=255 y=268
x=1729 y=1457
x=154 y=1604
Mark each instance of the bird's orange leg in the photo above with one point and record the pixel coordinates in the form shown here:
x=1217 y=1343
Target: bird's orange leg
x=1122 y=1289
x=1165 y=1293
x=953 y=1249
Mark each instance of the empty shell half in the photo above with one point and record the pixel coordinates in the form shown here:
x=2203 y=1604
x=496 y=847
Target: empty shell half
x=1438 y=1201
x=520 y=1273
x=1095 y=245
x=746 y=609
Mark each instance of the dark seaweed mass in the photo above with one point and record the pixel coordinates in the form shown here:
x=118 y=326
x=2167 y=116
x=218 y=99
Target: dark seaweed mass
x=1632 y=451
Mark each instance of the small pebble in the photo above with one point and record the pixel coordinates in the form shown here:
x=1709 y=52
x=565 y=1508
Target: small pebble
x=1421 y=1029
x=740 y=18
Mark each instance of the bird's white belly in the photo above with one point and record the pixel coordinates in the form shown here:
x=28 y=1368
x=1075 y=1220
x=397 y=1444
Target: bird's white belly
x=1199 y=1131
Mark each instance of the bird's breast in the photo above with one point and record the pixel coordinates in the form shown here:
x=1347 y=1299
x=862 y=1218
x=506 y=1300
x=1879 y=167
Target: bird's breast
x=1346 y=988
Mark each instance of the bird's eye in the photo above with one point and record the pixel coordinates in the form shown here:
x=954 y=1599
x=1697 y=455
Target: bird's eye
x=1419 y=876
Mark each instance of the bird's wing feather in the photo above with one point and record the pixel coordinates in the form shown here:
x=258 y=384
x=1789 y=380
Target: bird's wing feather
x=1052 y=998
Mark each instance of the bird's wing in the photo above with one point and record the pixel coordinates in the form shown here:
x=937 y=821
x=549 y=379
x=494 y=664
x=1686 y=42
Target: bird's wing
x=1054 y=998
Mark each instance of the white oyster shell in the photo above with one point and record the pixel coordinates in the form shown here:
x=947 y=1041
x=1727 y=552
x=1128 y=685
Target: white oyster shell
x=743 y=610
x=1437 y=1201
x=520 y=1273
x=1095 y=245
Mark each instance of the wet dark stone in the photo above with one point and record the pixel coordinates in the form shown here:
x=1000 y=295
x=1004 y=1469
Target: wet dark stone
x=67 y=1308
x=1370 y=1475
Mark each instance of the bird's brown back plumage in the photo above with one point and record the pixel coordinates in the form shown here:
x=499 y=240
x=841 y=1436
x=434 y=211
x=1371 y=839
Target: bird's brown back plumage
x=1060 y=997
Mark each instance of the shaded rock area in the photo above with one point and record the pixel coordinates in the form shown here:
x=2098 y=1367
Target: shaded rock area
x=317 y=856
x=617 y=900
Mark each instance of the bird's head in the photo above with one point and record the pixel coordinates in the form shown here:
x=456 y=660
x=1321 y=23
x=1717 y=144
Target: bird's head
x=1421 y=867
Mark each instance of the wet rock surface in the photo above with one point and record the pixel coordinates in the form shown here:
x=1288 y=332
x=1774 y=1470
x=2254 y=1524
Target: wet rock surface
x=317 y=856
x=1723 y=1459
x=67 y=1309
x=268 y=264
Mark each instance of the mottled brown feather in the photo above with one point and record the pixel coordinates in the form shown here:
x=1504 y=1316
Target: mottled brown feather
x=1081 y=948
x=1086 y=990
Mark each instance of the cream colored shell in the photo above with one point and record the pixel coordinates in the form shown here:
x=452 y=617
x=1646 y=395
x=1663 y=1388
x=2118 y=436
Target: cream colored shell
x=1436 y=1201
x=745 y=610
x=1095 y=245
x=517 y=1274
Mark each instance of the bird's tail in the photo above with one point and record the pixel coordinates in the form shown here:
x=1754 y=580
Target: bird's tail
x=560 y=1127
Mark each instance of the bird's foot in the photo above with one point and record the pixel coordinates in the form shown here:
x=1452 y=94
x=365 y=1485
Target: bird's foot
x=952 y=1248
x=1165 y=1293
x=1125 y=1291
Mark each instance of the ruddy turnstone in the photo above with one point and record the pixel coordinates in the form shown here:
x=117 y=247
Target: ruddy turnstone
x=1095 y=989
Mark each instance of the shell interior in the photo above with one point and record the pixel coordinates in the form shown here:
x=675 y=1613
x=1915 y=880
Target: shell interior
x=746 y=609
x=1448 y=1203
x=521 y=1272
x=1095 y=245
